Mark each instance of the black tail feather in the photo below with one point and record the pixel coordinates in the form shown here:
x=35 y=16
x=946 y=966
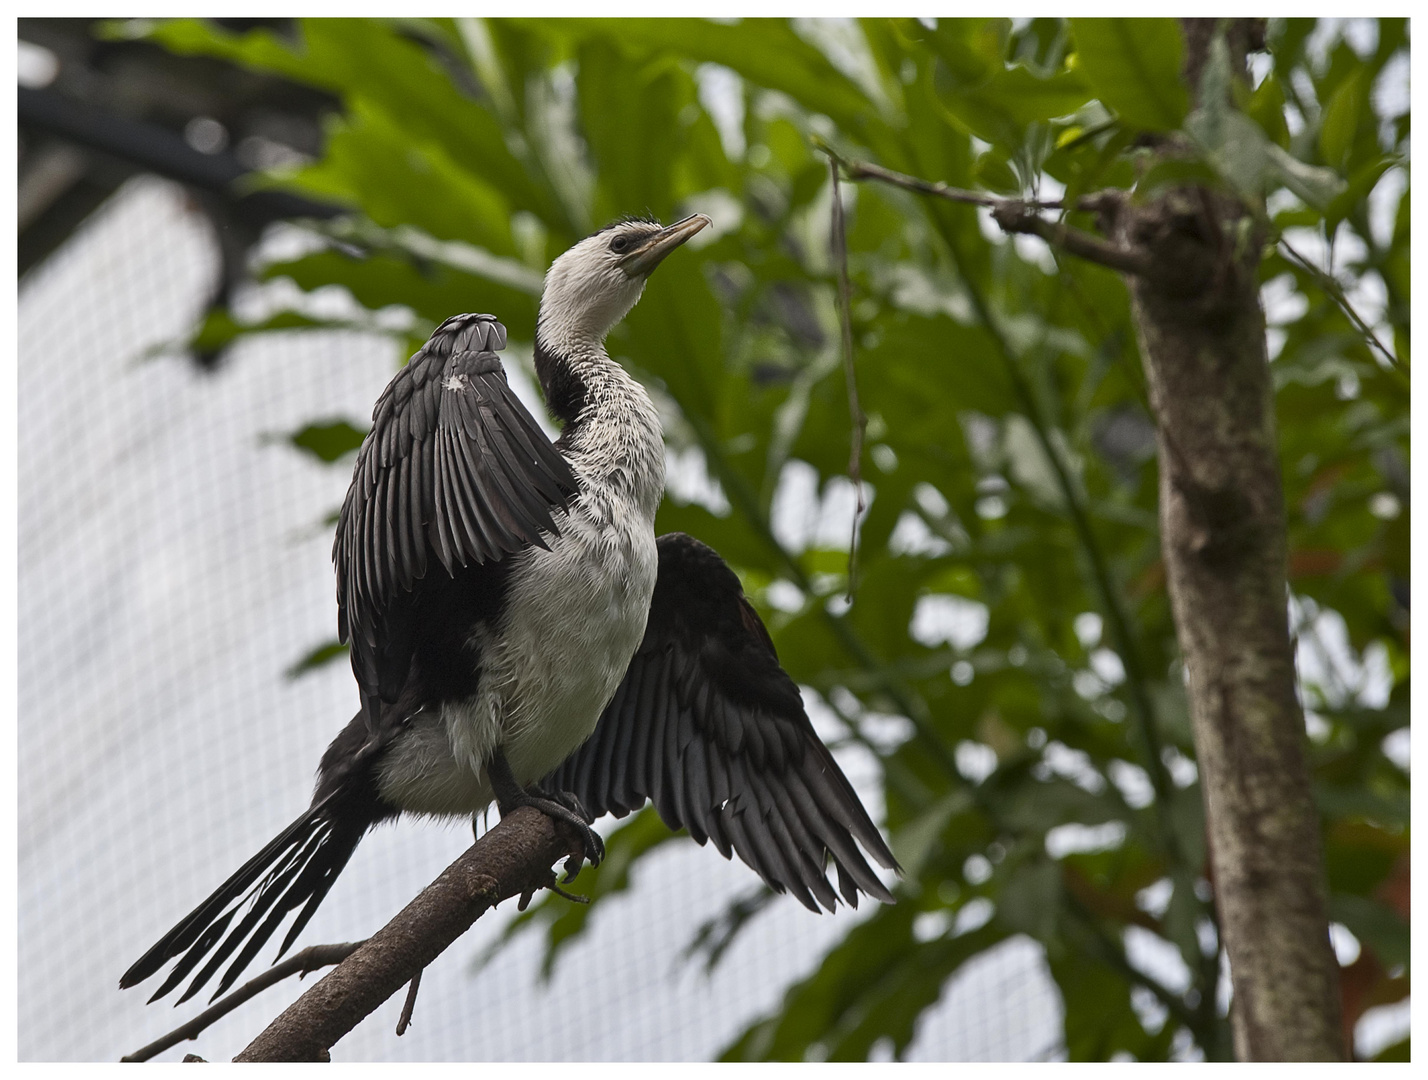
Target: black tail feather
x=207 y=914
x=295 y=870
x=313 y=882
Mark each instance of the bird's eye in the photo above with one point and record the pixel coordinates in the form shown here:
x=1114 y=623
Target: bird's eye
x=620 y=244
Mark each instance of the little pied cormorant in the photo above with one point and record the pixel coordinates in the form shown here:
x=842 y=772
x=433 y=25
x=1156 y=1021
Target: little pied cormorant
x=519 y=634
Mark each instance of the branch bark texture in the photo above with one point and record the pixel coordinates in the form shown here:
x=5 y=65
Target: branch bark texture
x=300 y=964
x=1202 y=341
x=512 y=859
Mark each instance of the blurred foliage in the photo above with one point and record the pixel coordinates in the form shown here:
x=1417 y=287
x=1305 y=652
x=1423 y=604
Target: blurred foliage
x=1009 y=657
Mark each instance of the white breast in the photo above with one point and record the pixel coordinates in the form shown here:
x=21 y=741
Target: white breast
x=577 y=616
x=573 y=618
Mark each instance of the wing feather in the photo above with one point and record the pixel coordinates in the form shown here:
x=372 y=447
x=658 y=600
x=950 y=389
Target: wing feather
x=698 y=806
x=711 y=730
x=454 y=466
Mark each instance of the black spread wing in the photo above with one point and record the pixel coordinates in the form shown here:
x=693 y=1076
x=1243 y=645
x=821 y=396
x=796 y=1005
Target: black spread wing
x=454 y=470
x=710 y=728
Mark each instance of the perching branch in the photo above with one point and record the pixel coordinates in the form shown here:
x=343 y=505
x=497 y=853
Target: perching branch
x=1013 y=215
x=512 y=859
x=299 y=964
x=855 y=409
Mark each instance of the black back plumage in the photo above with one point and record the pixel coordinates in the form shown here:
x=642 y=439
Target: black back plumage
x=711 y=729
x=454 y=469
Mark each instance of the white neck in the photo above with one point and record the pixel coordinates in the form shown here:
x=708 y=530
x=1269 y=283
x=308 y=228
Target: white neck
x=612 y=437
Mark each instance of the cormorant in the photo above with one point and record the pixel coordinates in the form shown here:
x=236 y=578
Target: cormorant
x=519 y=634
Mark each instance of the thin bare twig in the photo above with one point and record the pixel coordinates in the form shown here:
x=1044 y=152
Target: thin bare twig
x=1019 y=217
x=1013 y=215
x=866 y=170
x=405 y=1020
x=855 y=409
x=1335 y=292
x=300 y=964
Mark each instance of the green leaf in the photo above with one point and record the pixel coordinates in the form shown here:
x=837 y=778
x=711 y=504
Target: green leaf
x=1134 y=65
x=321 y=656
x=632 y=122
x=414 y=95
x=328 y=441
x=1399 y=1051
x=1244 y=157
x=1035 y=807
x=1236 y=147
x=1361 y=183
x=433 y=290
x=1175 y=172
x=1000 y=108
x=219 y=329
x=993 y=172
x=1028 y=97
x=1181 y=918
x=716 y=935
x=872 y=984
x=373 y=160
x=1028 y=462
x=1099 y=1020
x=972 y=49
x=1317 y=186
x=1341 y=120
x=1374 y=924
x=1031 y=901
x=765 y=51
x=1266 y=108
x=913 y=843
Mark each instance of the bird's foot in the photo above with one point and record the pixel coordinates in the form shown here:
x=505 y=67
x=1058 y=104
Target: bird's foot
x=567 y=799
x=558 y=809
x=594 y=852
x=560 y=806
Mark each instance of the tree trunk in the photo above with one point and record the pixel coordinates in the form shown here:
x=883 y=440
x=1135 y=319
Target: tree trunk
x=1202 y=339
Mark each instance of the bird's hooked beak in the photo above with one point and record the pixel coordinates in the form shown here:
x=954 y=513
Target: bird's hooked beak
x=643 y=260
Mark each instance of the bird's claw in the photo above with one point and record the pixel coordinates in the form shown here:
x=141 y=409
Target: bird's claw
x=564 y=806
x=567 y=799
x=594 y=853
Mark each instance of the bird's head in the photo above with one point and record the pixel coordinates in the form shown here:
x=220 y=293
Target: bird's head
x=595 y=284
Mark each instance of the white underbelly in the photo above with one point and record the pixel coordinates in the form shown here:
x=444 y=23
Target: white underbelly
x=573 y=618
